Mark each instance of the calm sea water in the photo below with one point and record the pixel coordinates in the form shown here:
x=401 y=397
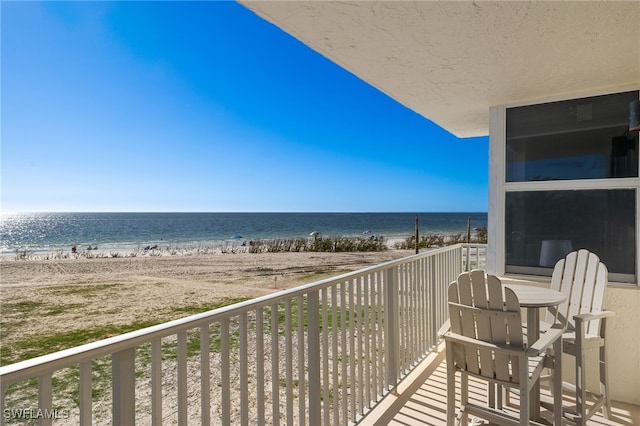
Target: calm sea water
x=60 y=231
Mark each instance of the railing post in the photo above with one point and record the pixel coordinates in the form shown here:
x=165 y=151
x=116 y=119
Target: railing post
x=86 y=415
x=315 y=394
x=45 y=398
x=391 y=326
x=156 y=382
x=435 y=313
x=124 y=387
x=3 y=391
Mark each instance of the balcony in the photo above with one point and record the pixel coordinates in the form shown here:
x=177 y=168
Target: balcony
x=358 y=348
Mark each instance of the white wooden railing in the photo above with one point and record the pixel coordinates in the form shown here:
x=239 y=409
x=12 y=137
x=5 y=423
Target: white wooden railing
x=323 y=353
x=474 y=256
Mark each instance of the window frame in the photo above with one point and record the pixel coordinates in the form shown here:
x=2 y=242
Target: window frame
x=499 y=187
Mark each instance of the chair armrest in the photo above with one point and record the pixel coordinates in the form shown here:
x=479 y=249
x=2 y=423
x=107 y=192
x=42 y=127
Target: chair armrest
x=444 y=328
x=546 y=340
x=582 y=320
x=464 y=340
x=590 y=316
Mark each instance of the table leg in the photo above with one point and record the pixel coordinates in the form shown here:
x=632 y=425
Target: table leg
x=533 y=333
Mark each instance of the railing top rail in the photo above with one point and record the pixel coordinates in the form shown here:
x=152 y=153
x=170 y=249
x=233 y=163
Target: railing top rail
x=61 y=359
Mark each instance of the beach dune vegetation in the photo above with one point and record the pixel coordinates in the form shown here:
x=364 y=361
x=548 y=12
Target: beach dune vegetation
x=437 y=240
x=318 y=244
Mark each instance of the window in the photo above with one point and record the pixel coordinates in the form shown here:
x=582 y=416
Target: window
x=543 y=226
x=577 y=139
x=571 y=182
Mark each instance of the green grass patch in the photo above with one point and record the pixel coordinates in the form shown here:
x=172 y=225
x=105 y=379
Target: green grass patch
x=61 y=309
x=24 y=307
x=42 y=344
x=84 y=290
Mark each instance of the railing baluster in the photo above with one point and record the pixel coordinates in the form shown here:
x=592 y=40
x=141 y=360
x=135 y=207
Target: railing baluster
x=352 y=358
x=260 y=364
x=368 y=335
x=426 y=298
x=244 y=382
x=415 y=301
x=288 y=361
x=391 y=339
x=275 y=369
x=3 y=392
x=45 y=398
x=302 y=408
x=156 y=382
x=313 y=339
x=182 y=378
x=225 y=375
x=380 y=347
x=402 y=316
x=420 y=318
x=343 y=353
x=326 y=403
x=406 y=348
x=205 y=376
x=84 y=391
x=361 y=336
x=404 y=319
x=335 y=327
x=413 y=311
x=434 y=307
x=124 y=386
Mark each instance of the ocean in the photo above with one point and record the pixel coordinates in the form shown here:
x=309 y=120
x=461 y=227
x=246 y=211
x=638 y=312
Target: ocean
x=46 y=232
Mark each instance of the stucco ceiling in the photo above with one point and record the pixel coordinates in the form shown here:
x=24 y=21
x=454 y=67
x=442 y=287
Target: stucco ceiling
x=451 y=60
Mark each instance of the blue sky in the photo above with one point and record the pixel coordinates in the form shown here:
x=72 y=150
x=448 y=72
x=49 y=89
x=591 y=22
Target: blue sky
x=203 y=106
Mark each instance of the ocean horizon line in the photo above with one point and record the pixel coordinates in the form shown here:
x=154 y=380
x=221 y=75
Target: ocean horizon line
x=235 y=212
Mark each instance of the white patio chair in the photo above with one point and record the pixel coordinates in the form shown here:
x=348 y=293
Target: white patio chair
x=486 y=341
x=583 y=278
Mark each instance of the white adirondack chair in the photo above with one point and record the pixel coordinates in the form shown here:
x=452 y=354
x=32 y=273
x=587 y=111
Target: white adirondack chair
x=583 y=278
x=486 y=341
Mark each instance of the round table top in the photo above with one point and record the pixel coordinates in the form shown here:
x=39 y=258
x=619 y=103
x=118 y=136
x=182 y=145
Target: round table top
x=536 y=297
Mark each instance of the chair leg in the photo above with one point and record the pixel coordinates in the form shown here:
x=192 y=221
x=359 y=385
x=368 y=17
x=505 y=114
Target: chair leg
x=464 y=397
x=524 y=404
x=604 y=384
x=558 y=411
x=581 y=392
x=491 y=390
x=451 y=389
x=525 y=395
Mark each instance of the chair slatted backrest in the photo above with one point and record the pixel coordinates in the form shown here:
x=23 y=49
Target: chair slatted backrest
x=583 y=279
x=481 y=308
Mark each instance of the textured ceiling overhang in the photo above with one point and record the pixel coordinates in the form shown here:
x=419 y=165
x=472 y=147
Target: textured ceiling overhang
x=451 y=60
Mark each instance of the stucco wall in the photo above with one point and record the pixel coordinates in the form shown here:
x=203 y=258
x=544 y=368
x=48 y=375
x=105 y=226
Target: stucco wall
x=623 y=343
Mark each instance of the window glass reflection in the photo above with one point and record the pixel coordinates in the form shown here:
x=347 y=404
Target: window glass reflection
x=543 y=226
x=577 y=139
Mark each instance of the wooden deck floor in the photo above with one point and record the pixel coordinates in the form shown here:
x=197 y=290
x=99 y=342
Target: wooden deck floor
x=421 y=400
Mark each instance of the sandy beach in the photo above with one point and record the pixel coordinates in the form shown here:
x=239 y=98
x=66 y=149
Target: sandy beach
x=48 y=305
x=84 y=294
